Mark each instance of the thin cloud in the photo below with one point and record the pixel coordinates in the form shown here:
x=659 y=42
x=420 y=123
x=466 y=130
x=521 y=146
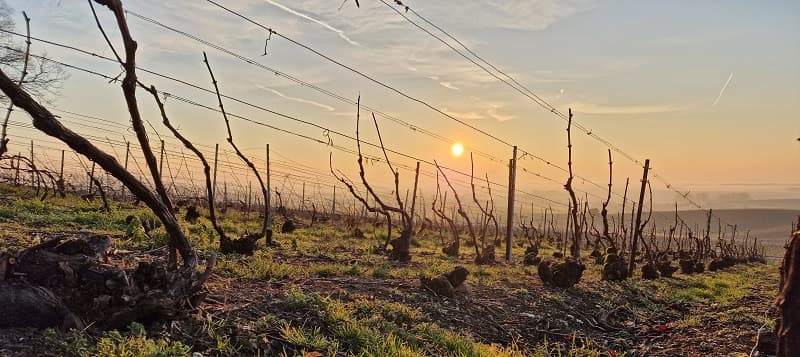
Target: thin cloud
x=558 y=96
x=722 y=91
x=295 y=99
x=589 y=108
x=464 y=115
x=493 y=109
x=319 y=22
x=486 y=103
x=528 y=15
x=448 y=85
x=500 y=117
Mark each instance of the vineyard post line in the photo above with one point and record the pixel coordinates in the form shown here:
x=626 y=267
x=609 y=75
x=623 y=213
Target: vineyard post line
x=512 y=178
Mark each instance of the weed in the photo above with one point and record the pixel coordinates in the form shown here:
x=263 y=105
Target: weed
x=381 y=272
x=308 y=340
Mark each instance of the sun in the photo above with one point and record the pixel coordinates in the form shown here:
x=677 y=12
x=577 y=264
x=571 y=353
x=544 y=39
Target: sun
x=457 y=149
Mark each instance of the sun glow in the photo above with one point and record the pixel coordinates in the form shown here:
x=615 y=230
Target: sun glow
x=457 y=149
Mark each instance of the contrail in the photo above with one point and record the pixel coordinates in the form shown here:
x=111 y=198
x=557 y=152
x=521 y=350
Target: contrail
x=295 y=99
x=319 y=22
x=722 y=91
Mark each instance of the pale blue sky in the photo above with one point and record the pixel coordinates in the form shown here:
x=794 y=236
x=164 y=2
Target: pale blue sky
x=643 y=74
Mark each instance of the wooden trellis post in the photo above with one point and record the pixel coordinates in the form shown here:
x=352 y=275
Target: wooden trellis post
x=127 y=155
x=161 y=162
x=91 y=178
x=61 y=170
x=268 y=207
x=33 y=174
x=414 y=196
x=249 y=195
x=16 y=169
x=333 y=205
x=225 y=194
x=512 y=178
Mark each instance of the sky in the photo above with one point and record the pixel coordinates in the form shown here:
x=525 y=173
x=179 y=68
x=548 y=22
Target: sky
x=709 y=91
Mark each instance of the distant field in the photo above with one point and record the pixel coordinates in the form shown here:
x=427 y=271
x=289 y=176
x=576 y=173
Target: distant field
x=772 y=226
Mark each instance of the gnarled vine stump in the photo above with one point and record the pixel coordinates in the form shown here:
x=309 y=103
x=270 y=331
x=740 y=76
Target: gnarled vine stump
x=67 y=281
x=789 y=301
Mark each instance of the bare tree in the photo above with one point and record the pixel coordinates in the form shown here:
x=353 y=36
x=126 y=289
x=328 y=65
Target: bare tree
x=247 y=243
x=451 y=249
x=481 y=256
x=206 y=167
x=604 y=212
x=41 y=176
x=174 y=289
x=487 y=250
x=402 y=245
x=40 y=78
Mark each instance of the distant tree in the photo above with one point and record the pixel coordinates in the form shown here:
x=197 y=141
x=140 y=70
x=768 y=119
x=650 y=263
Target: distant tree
x=40 y=77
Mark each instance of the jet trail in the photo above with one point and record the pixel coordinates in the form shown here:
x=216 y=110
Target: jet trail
x=722 y=91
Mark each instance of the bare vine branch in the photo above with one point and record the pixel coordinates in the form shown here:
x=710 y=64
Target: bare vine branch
x=206 y=166
x=576 y=227
x=462 y=213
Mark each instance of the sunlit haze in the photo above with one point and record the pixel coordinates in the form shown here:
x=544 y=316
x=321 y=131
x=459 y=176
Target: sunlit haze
x=457 y=149
x=708 y=91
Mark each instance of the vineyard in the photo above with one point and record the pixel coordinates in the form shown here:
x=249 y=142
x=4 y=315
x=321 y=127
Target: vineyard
x=158 y=228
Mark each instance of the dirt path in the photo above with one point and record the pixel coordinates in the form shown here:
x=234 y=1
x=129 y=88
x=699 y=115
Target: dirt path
x=614 y=318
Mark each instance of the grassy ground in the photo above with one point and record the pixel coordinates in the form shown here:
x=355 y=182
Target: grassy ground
x=324 y=292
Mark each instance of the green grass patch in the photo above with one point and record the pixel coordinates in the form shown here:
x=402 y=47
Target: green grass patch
x=133 y=343
x=724 y=287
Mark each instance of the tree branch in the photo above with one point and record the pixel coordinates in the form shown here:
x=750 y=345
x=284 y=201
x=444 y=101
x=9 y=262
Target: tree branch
x=244 y=158
x=47 y=123
x=206 y=167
